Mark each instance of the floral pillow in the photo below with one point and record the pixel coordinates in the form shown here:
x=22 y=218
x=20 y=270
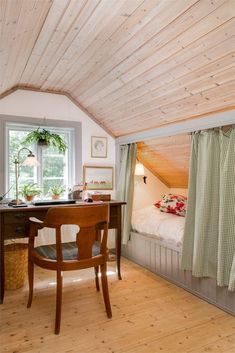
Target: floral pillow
x=175 y=204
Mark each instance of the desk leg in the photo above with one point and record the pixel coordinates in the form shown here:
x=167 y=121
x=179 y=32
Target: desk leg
x=2 y=286
x=1 y=266
x=118 y=252
x=119 y=241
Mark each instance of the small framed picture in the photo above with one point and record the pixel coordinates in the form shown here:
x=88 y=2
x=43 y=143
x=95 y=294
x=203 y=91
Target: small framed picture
x=98 y=147
x=98 y=178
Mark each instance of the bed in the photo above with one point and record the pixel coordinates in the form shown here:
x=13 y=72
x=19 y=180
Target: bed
x=155 y=243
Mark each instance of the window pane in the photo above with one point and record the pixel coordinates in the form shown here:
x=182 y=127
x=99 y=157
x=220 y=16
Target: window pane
x=53 y=169
x=53 y=166
x=48 y=183
x=26 y=174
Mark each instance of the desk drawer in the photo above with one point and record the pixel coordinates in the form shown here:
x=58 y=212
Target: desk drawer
x=16 y=230
x=22 y=217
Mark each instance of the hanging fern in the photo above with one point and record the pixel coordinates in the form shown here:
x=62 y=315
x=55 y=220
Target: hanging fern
x=45 y=137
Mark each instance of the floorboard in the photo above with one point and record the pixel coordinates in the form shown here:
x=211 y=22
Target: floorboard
x=149 y=315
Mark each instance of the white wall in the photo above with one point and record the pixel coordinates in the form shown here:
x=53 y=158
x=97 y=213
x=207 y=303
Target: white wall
x=31 y=104
x=148 y=194
x=55 y=106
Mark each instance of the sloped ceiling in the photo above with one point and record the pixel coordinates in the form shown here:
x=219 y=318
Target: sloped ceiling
x=132 y=65
x=167 y=158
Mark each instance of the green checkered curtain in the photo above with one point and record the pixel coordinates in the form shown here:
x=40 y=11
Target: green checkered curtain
x=226 y=241
x=125 y=190
x=209 y=236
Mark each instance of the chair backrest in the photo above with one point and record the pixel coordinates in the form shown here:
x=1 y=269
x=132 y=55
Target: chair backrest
x=90 y=219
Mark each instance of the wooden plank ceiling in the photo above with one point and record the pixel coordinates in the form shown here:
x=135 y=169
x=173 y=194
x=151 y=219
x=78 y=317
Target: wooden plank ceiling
x=132 y=65
x=167 y=158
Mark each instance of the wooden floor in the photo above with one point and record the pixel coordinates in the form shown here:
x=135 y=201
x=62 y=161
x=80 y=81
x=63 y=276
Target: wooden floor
x=149 y=315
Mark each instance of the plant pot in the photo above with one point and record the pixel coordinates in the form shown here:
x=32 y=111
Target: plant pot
x=42 y=143
x=55 y=197
x=29 y=198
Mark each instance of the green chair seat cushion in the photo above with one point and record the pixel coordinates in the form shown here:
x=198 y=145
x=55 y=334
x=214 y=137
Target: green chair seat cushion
x=69 y=251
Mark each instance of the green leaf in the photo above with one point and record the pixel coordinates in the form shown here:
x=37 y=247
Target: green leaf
x=51 y=139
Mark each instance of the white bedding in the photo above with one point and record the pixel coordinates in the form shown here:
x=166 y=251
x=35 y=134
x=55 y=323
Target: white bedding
x=164 y=226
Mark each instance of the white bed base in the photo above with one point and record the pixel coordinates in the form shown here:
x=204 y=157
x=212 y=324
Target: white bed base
x=152 y=254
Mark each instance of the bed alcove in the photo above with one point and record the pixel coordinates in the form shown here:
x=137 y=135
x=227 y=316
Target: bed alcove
x=167 y=158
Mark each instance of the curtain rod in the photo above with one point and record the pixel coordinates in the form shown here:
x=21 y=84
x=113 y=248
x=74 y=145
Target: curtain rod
x=225 y=129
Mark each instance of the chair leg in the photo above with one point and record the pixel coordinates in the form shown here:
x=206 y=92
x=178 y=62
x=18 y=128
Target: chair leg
x=105 y=291
x=58 y=302
x=97 y=278
x=30 y=279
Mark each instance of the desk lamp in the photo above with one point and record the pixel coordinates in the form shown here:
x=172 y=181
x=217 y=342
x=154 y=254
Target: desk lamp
x=30 y=161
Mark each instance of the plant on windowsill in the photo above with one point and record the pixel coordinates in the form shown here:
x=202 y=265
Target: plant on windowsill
x=29 y=191
x=56 y=191
x=46 y=138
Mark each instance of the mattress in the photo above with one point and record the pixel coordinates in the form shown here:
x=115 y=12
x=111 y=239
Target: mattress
x=165 y=227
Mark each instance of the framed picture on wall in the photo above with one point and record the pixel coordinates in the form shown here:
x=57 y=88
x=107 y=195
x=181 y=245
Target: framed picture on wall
x=98 y=147
x=98 y=178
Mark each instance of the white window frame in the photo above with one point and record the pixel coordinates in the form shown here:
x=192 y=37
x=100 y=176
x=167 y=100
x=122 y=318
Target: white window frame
x=70 y=172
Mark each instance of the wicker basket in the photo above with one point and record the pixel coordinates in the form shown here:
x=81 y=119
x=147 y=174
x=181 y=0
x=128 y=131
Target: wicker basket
x=16 y=260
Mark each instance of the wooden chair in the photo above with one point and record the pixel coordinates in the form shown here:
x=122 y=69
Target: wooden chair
x=89 y=249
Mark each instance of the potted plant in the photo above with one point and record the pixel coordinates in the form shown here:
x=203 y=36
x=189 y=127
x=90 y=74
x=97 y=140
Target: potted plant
x=28 y=191
x=56 y=191
x=44 y=137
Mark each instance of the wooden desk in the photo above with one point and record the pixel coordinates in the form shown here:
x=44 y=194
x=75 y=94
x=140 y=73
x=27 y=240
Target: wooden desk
x=14 y=224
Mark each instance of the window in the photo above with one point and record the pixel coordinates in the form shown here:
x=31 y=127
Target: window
x=55 y=168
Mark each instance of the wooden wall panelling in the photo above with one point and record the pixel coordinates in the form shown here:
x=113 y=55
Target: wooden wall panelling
x=174 y=76
x=165 y=85
x=151 y=57
x=182 y=95
x=26 y=35
x=179 y=110
x=94 y=52
x=134 y=103
x=50 y=42
x=132 y=65
x=114 y=121
x=98 y=20
x=134 y=23
x=132 y=60
x=8 y=27
x=26 y=22
x=155 y=256
x=167 y=158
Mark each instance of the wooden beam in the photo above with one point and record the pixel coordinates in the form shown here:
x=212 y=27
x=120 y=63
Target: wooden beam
x=205 y=121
